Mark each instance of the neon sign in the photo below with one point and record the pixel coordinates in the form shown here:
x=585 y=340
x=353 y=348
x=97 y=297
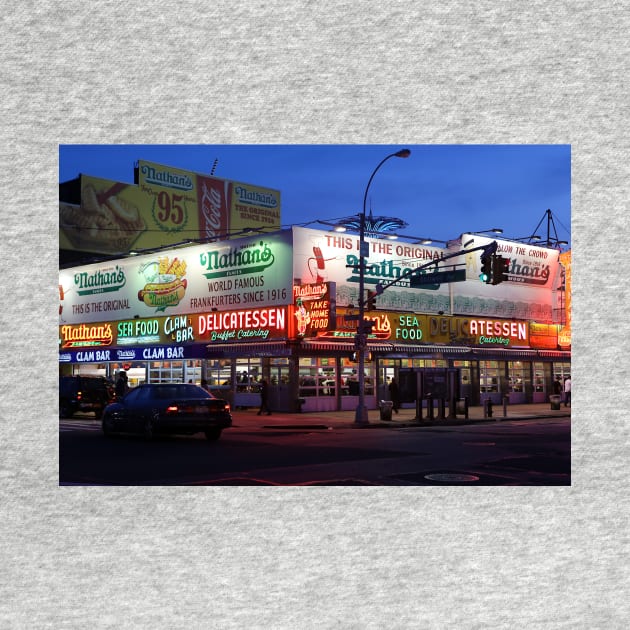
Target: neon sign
x=254 y=324
x=84 y=335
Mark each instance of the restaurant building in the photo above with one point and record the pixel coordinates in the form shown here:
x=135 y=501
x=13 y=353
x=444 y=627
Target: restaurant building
x=283 y=304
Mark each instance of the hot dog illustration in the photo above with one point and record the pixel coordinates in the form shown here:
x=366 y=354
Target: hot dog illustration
x=163 y=294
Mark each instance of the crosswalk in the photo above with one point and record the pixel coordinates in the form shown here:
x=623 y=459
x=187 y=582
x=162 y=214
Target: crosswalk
x=66 y=426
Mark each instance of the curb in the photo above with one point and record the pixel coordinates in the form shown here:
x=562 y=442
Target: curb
x=393 y=424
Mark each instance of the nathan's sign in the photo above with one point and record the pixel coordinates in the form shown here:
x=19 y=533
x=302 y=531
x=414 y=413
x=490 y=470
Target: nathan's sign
x=252 y=272
x=242 y=325
x=85 y=335
x=347 y=324
x=253 y=206
x=100 y=281
x=247 y=259
x=414 y=328
x=313 y=310
x=215 y=206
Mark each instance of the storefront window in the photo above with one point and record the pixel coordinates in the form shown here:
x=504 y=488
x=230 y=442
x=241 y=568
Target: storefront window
x=317 y=377
x=218 y=376
x=539 y=377
x=248 y=373
x=192 y=371
x=561 y=371
x=488 y=376
x=429 y=363
x=516 y=376
x=166 y=372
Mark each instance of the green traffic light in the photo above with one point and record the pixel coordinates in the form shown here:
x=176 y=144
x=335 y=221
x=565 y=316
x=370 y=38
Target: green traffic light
x=483 y=277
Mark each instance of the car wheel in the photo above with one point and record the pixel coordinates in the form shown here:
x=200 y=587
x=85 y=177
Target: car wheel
x=213 y=434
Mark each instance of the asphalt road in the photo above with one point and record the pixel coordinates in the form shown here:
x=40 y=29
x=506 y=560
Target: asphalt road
x=517 y=452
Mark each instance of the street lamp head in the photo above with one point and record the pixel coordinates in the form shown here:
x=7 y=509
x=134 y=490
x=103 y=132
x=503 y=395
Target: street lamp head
x=403 y=153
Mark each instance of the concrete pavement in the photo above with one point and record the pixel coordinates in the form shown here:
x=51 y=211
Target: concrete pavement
x=405 y=417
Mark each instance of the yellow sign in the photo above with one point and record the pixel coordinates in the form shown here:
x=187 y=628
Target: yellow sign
x=171 y=202
x=254 y=207
x=168 y=206
x=110 y=220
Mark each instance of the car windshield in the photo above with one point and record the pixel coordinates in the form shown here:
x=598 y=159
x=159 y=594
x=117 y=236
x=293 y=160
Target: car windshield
x=164 y=392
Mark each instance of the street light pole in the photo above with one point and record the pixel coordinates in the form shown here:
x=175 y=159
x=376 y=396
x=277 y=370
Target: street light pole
x=361 y=415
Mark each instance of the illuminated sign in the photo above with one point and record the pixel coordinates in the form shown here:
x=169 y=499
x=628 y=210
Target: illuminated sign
x=166 y=286
x=85 y=335
x=243 y=325
x=543 y=335
x=430 y=329
x=248 y=274
x=253 y=258
x=99 y=281
x=498 y=332
x=138 y=331
x=564 y=336
x=314 y=309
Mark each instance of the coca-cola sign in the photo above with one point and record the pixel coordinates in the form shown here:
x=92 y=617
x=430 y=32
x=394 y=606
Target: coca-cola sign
x=212 y=201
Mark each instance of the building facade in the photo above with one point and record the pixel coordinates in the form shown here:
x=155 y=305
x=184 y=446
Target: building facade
x=283 y=305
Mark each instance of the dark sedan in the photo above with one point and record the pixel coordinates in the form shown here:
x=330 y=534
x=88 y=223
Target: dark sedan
x=170 y=408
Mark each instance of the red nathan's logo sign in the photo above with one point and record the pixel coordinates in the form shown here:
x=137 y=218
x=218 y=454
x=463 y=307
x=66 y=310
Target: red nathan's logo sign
x=212 y=202
x=85 y=335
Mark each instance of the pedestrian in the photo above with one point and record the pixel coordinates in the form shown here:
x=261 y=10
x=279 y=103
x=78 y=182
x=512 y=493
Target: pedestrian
x=264 y=397
x=557 y=386
x=121 y=384
x=567 y=391
x=394 y=395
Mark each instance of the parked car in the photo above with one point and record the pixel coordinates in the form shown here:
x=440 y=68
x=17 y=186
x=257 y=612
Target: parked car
x=83 y=393
x=168 y=408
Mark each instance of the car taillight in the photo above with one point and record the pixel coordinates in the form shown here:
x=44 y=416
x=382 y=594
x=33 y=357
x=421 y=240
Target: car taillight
x=227 y=407
x=172 y=409
x=78 y=395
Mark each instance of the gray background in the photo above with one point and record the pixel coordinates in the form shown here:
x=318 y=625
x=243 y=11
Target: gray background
x=324 y=72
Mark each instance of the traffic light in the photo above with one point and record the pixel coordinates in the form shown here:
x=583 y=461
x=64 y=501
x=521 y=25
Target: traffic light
x=486 y=268
x=371 y=300
x=499 y=269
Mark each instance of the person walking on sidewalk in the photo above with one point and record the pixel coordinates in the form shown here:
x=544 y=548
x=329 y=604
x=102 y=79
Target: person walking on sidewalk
x=567 y=391
x=557 y=387
x=264 y=397
x=394 y=395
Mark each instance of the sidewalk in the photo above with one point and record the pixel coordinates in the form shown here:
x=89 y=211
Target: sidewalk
x=405 y=417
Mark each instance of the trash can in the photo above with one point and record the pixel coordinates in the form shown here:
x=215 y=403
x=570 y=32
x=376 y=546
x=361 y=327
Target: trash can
x=386 y=409
x=555 y=402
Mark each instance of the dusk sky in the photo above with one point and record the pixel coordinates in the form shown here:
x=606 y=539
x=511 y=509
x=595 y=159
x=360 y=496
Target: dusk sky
x=439 y=190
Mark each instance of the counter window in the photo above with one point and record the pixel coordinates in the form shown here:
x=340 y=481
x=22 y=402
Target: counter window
x=488 y=376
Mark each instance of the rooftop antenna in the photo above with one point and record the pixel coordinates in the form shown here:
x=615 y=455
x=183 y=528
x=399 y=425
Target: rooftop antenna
x=551 y=240
x=214 y=166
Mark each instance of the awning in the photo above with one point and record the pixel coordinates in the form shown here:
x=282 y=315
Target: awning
x=558 y=354
x=259 y=349
x=506 y=353
x=430 y=349
x=317 y=345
